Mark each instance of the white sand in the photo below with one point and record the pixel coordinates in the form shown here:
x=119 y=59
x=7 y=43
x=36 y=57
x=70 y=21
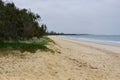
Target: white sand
x=71 y=61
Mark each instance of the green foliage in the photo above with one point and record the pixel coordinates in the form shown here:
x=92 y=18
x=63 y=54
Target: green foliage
x=21 y=46
x=30 y=46
x=45 y=40
x=19 y=24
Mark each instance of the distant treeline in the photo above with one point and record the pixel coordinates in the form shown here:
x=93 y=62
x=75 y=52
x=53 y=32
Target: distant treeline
x=53 y=33
x=56 y=33
x=19 y=24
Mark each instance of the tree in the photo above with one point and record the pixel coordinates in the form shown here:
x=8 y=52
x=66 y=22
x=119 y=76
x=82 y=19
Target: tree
x=19 y=24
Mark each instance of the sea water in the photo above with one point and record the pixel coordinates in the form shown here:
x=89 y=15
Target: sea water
x=102 y=39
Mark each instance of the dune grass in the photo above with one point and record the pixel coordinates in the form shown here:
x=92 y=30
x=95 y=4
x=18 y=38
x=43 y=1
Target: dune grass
x=30 y=45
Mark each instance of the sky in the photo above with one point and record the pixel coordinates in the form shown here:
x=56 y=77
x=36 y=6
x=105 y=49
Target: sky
x=76 y=16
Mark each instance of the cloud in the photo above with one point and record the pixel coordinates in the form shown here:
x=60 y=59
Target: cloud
x=77 y=16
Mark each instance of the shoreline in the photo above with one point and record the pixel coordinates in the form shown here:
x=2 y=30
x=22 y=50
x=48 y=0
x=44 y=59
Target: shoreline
x=93 y=44
x=103 y=42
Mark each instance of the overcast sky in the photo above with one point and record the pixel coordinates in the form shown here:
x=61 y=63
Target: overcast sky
x=77 y=16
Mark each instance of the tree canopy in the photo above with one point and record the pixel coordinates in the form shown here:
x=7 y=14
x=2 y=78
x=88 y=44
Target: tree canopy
x=19 y=24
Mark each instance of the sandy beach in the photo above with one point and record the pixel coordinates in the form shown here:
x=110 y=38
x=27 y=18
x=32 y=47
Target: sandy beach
x=71 y=60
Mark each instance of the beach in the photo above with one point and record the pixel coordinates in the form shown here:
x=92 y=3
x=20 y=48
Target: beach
x=69 y=60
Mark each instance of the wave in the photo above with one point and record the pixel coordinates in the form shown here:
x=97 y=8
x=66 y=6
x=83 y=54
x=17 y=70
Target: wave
x=100 y=41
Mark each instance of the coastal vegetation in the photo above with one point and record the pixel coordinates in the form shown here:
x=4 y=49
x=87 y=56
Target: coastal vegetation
x=20 y=29
x=19 y=24
x=31 y=45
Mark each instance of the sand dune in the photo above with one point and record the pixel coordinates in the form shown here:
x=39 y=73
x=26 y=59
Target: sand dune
x=71 y=61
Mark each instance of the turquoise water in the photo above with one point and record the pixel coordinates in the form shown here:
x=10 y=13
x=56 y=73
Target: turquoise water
x=103 y=39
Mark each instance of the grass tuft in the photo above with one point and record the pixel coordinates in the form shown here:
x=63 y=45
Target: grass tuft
x=30 y=46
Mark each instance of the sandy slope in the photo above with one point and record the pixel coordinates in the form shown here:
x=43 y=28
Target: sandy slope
x=71 y=61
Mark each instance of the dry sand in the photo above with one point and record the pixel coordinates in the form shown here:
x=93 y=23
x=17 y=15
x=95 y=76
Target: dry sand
x=71 y=61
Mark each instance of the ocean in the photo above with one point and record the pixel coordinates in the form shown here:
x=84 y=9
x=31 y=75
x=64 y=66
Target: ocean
x=101 y=39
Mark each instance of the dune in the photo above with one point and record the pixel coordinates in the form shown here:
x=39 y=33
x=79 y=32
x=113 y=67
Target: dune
x=69 y=60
